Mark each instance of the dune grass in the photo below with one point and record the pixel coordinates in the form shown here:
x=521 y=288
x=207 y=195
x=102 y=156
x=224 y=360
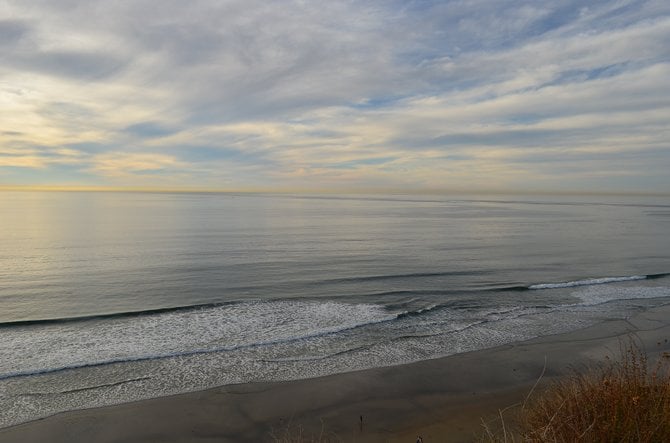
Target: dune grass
x=623 y=400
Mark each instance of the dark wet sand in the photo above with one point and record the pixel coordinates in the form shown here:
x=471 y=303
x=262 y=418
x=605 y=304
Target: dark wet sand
x=442 y=400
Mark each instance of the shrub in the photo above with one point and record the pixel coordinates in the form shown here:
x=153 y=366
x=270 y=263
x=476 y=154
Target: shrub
x=621 y=401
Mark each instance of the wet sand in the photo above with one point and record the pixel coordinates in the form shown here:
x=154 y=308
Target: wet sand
x=443 y=400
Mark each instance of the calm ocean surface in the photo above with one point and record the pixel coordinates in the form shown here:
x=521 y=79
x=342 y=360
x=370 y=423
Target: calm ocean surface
x=113 y=297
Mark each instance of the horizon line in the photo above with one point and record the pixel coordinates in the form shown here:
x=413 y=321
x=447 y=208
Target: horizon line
x=379 y=191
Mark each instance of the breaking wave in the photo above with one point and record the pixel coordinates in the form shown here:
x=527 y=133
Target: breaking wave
x=594 y=281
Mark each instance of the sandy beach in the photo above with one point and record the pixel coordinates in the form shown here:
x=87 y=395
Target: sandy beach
x=443 y=400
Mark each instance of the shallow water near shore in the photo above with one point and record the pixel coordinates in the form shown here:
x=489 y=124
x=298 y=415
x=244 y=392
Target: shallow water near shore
x=114 y=297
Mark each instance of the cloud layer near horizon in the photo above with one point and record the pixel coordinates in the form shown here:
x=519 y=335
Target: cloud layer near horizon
x=461 y=95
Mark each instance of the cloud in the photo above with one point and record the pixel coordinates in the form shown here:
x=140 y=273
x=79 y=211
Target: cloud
x=71 y=64
x=12 y=31
x=395 y=94
x=19 y=156
x=149 y=130
x=128 y=164
x=22 y=161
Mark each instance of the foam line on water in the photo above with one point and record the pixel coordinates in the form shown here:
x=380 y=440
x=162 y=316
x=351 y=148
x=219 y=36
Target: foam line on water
x=593 y=296
x=59 y=347
x=587 y=282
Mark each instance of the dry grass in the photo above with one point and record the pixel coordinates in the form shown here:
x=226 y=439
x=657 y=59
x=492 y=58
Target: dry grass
x=627 y=400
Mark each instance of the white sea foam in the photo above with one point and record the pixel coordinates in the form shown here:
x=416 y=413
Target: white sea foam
x=222 y=328
x=587 y=282
x=181 y=351
x=597 y=295
x=259 y=341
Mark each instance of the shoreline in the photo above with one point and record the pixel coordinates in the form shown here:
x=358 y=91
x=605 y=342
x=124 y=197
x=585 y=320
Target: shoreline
x=436 y=398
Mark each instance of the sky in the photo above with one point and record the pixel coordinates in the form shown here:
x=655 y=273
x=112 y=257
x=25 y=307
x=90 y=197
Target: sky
x=335 y=96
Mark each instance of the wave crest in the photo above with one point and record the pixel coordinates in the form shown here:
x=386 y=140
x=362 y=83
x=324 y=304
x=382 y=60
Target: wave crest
x=587 y=282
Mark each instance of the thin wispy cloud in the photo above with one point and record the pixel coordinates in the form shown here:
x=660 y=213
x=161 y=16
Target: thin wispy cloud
x=445 y=95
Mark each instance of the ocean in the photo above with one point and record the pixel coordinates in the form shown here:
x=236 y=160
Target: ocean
x=112 y=297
